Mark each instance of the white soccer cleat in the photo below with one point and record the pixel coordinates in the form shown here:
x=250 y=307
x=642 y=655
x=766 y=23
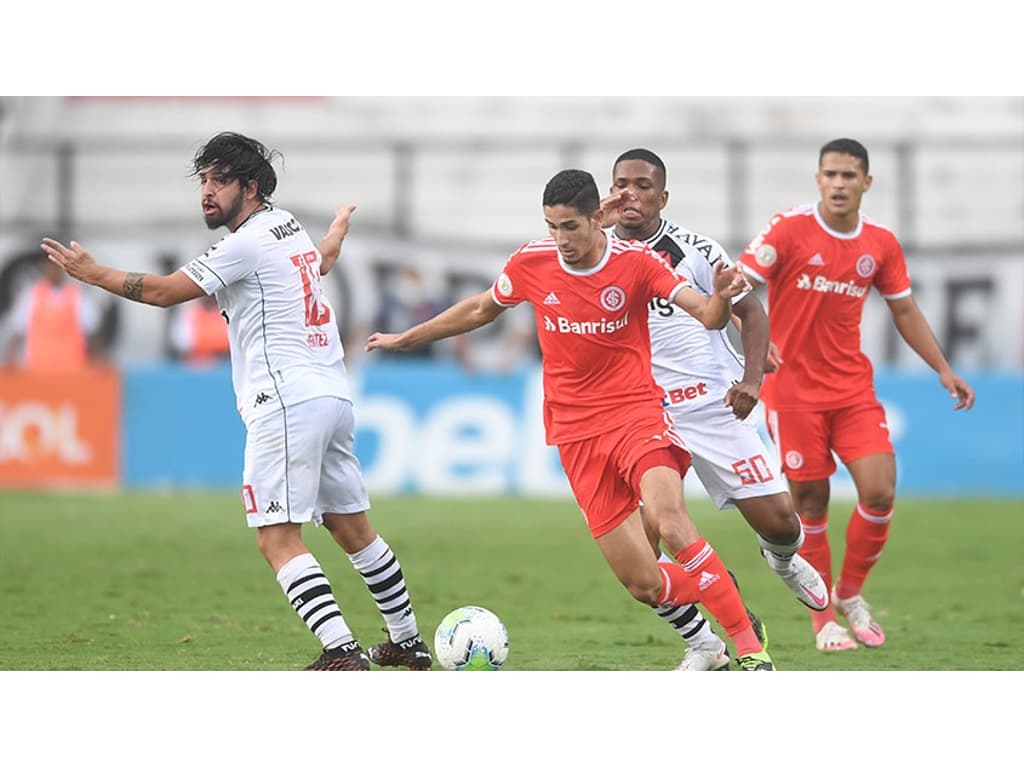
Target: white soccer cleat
x=858 y=614
x=806 y=583
x=833 y=637
x=705 y=659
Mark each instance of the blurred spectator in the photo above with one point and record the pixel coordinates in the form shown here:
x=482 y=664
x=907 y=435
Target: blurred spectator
x=199 y=333
x=55 y=325
x=406 y=300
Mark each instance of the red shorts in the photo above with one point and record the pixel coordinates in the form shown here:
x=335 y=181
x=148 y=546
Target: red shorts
x=806 y=439
x=604 y=471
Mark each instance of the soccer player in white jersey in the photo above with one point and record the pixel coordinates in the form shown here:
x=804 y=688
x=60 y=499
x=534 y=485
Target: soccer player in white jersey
x=292 y=393
x=710 y=390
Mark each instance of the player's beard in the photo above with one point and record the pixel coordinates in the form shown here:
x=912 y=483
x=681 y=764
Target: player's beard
x=221 y=217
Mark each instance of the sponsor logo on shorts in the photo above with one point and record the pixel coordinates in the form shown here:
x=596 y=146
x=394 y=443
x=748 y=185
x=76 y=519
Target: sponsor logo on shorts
x=275 y=508
x=794 y=459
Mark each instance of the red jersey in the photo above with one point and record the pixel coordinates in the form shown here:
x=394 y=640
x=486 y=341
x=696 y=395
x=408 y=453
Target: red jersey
x=818 y=280
x=592 y=329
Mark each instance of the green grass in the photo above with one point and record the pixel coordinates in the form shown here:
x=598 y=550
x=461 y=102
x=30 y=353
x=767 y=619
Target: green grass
x=175 y=582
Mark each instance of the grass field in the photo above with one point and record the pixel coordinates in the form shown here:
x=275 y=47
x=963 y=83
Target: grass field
x=175 y=582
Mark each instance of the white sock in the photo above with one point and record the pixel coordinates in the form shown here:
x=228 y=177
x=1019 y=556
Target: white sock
x=309 y=592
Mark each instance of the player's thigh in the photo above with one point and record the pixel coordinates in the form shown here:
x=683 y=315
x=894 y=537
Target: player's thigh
x=860 y=430
x=803 y=440
x=342 y=490
x=729 y=456
x=875 y=479
x=284 y=451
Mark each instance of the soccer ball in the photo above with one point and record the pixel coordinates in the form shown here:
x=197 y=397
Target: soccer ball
x=471 y=639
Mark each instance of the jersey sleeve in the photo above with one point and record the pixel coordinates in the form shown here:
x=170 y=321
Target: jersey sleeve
x=508 y=289
x=700 y=268
x=761 y=257
x=227 y=262
x=893 y=278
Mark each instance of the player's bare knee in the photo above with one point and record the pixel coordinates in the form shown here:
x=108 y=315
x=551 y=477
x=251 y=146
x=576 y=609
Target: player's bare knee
x=878 y=500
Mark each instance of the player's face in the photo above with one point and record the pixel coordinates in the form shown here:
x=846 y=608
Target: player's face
x=575 y=235
x=641 y=215
x=842 y=183
x=222 y=197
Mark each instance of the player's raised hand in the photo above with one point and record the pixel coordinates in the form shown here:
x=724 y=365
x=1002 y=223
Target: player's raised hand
x=611 y=206
x=959 y=390
x=342 y=217
x=729 y=282
x=73 y=259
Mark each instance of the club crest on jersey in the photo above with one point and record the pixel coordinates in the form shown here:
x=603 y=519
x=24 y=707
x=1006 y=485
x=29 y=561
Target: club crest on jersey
x=766 y=255
x=866 y=265
x=613 y=298
x=504 y=285
x=794 y=459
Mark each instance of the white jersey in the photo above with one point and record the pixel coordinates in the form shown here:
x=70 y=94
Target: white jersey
x=693 y=365
x=285 y=346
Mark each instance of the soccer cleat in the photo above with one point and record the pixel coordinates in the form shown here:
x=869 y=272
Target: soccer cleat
x=412 y=653
x=806 y=583
x=705 y=659
x=833 y=637
x=756 y=662
x=858 y=614
x=348 y=657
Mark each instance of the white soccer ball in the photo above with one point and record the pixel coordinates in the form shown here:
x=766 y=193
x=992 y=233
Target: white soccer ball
x=471 y=639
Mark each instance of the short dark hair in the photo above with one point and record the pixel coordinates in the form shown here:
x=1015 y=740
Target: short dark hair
x=574 y=188
x=245 y=159
x=846 y=147
x=642 y=154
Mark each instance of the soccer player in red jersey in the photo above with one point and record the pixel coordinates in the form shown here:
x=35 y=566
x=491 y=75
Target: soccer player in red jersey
x=602 y=407
x=819 y=261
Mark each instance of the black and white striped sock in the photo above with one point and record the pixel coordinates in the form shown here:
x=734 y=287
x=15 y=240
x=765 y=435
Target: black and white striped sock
x=309 y=592
x=381 y=571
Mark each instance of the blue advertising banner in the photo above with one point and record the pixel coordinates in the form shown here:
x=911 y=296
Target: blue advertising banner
x=433 y=428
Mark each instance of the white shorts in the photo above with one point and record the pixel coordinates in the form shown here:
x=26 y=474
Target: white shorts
x=729 y=456
x=299 y=464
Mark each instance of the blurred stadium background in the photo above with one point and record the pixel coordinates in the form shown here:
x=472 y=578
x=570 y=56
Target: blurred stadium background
x=452 y=186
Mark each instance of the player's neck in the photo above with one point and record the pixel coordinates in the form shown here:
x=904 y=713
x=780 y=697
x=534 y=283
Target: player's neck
x=245 y=214
x=596 y=253
x=840 y=222
x=638 y=233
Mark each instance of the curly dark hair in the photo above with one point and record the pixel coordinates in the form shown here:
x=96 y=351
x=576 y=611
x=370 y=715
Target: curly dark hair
x=241 y=158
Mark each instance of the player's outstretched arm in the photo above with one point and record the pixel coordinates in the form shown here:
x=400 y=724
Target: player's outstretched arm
x=465 y=316
x=914 y=328
x=158 y=290
x=330 y=246
x=715 y=310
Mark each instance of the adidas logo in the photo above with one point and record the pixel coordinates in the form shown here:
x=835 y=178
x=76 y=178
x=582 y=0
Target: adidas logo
x=261 y=398
x=816 y=261
x=706 y=580
x=551 y=299
x=275 y=506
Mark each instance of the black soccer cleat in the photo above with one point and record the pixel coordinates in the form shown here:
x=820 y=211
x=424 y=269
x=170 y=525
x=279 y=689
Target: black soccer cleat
x=412 y=653
x=348 y=657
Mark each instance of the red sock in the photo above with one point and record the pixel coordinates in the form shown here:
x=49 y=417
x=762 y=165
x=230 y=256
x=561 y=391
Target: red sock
x=865 y=537
x=715 y=589
x=816 y=551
